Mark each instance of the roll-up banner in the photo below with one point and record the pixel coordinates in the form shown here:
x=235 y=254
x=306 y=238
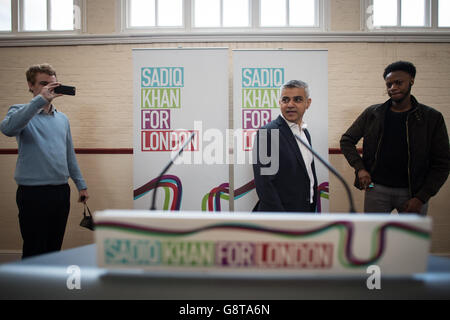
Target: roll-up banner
x=177 y=92
x=257 y=77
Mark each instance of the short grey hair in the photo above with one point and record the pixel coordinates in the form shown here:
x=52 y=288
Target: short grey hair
x=295 y=84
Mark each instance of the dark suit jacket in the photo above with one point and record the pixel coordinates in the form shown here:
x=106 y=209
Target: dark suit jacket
x=288 y=190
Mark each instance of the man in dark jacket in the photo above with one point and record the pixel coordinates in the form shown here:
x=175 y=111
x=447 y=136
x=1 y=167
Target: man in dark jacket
x=291 y=184
x=405 y=149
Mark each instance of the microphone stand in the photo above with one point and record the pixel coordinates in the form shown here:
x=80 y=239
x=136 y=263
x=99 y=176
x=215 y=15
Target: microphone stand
x=333 y=170
x=172 y=159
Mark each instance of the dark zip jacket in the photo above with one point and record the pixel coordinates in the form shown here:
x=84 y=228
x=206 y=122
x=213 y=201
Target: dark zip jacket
x=428 y=146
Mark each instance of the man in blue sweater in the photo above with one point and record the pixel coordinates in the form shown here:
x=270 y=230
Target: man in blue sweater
x=46 y=161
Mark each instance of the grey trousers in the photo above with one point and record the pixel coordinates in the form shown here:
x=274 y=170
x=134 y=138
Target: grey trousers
x=382 y=199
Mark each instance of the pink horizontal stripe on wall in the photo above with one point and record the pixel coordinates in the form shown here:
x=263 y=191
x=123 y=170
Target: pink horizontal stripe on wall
x=130 y=151
x=84 y=151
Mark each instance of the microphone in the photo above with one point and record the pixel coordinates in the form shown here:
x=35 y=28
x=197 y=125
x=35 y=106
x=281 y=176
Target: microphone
x=172 y=159
x=333 y=170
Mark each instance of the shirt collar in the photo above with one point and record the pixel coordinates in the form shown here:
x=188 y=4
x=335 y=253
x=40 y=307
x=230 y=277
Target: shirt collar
x=51 y=111
x=294 y=125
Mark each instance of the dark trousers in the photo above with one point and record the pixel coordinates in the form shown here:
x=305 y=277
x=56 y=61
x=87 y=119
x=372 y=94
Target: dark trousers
x=383 y=199
x=43 y=213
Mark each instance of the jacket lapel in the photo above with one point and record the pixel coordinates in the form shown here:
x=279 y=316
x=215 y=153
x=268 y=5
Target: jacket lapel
x=291 y=140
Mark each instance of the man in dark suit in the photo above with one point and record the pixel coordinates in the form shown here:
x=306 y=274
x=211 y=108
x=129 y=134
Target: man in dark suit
x=291 y=188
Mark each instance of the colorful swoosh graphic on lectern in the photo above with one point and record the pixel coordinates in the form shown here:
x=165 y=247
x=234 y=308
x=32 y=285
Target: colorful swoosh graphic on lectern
x=168 y=182
x=346 y=235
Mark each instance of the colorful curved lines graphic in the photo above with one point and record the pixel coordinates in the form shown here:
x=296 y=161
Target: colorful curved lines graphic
x=322 y=192
x=345 y=228
x=211 y=200
x=167 y=182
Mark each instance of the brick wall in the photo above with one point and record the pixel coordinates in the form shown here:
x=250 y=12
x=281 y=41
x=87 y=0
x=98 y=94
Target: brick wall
x=101 y=113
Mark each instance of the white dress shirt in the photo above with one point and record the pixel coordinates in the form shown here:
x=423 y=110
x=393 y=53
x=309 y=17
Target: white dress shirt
x=306 y=154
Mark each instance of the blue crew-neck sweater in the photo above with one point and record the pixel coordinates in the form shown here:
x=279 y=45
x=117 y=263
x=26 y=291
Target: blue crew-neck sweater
x=46 y=153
